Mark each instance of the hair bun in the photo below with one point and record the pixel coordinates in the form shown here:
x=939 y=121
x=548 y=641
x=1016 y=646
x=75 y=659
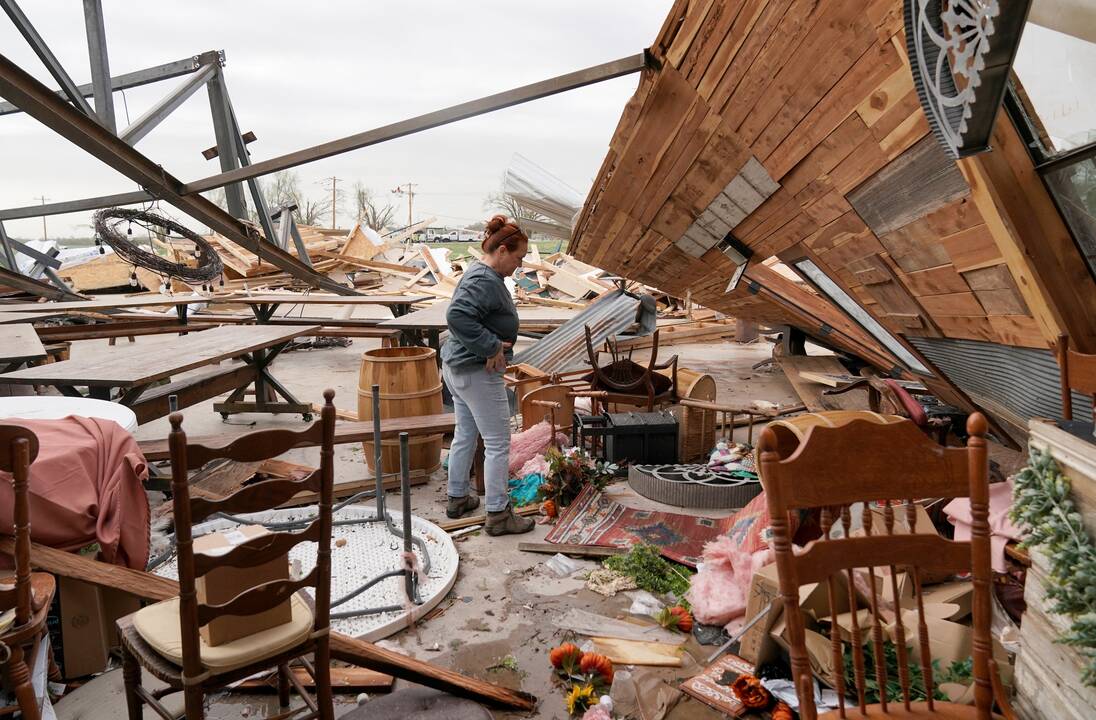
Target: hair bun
x=495 y=224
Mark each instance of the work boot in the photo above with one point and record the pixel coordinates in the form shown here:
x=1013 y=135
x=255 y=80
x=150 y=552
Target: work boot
x=505 y=522
x=460 y=505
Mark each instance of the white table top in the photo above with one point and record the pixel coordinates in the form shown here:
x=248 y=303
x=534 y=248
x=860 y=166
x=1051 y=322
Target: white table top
x=53 y=407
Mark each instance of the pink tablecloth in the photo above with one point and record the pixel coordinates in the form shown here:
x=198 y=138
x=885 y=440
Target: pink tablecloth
x=86 y=486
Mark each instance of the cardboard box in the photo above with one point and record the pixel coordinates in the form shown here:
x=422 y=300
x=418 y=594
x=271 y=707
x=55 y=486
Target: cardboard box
x=764 y=589
x=88 y=633
x=222 y=584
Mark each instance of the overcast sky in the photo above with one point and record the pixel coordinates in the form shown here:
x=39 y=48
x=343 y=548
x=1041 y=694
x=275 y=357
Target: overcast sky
x=304 y=73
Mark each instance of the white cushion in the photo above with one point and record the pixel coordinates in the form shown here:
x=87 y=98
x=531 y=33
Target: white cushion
x=159 y=626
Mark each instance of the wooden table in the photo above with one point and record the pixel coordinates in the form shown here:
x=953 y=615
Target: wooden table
x=19 y=344
x=430 y=323
x=127 y=374
x=99 y=303
x=264 y=306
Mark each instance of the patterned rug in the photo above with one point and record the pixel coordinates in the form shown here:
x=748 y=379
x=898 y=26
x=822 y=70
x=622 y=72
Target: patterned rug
x=594 y=519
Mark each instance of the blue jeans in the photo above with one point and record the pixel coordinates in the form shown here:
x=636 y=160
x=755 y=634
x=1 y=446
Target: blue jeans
x=481 y=407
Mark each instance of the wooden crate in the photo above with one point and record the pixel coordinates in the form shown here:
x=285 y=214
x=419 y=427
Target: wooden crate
x=1048 y=674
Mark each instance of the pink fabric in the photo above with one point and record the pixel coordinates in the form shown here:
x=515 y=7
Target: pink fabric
x=1001 y=528
x=527 y=444
x=86 y=486
x=718 y=593
x=911 y=406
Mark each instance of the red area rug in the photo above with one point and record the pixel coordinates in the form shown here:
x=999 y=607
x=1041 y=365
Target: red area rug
x=594 y=519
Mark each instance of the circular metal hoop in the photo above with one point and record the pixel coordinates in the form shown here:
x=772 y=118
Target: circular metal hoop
x=107 y=221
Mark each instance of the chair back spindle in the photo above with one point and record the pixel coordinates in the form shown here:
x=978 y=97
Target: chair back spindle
x=873 y=467
x=18 y=449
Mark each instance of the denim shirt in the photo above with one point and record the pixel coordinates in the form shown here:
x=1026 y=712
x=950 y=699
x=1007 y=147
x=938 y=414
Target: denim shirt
x=481 y=316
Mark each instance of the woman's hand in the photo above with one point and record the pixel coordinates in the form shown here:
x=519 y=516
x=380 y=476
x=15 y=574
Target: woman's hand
x=497 y=362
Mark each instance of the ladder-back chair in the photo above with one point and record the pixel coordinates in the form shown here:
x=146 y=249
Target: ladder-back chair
x=31 y=594
x=626 y=381
x=164 y=638
x=1077 y=371
x=835 y=467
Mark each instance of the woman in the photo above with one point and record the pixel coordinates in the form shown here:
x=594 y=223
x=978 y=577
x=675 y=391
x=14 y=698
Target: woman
x=483 y=326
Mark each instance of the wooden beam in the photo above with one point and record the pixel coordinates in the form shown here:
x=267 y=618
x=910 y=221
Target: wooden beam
x=345 y=432
x=345 y=648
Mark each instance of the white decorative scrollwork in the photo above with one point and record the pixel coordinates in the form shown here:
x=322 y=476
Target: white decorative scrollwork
x=947 y=42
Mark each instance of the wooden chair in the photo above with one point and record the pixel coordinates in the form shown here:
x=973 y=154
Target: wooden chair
x=166 y=641
x=887 y=397
x=32 y=593
x=835 y=467
x=1077 y=371
x=626 y=381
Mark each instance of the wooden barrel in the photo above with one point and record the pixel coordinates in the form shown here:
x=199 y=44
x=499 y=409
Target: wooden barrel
x=790 y=432
x=410 y=385
x=696 y=427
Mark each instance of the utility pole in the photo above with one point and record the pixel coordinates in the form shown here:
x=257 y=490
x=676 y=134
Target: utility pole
x=410 y=193
x=334 y=198
x=43 y=198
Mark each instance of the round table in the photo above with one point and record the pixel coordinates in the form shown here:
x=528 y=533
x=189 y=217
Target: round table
x=53 y=407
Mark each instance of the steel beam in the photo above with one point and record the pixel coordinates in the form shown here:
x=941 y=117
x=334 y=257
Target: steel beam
x=472 y=108
x=226 y=144
x=244 y=157
x=9 y=256
x=72 y=206
x=26 y=29
x=40 y=257
x=100 y=63
x=138 y=78
x=36 y=287
x=517 y=96
x=156 y=114
x=40 y=103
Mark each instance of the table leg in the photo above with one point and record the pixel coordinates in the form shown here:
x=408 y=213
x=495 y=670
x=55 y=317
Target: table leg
x=267 y=389
x=434 y=337
x=99 y=393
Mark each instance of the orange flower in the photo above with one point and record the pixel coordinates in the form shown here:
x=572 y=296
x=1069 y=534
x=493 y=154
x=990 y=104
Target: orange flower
x=549 y=508
x=595 y=663
x=676 y=618
x=565 y=658
x=751 y=692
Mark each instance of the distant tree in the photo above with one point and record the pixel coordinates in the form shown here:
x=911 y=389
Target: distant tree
x=510 y=207
x=370 y=210
x=281 y=188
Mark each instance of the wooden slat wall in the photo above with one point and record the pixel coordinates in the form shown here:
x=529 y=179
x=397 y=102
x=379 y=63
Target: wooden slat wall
x=819 y=93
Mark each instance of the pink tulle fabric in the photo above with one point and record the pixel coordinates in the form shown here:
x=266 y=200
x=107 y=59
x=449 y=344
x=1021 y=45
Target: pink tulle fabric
x=527 y=444
x=719 y=591
x=597 y=712
x=537 y=465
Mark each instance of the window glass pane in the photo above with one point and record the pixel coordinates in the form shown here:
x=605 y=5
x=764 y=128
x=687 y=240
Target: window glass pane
x=860 y=315
x=1056 y=65
x=1074 y=187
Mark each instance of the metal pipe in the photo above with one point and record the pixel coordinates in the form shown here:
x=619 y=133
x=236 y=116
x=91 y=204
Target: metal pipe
x=409 y=583
x=137 y=78
x=377 y=470
x=462 y=111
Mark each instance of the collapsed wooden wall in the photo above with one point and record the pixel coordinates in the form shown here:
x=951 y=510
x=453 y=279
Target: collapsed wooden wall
x=812 y=104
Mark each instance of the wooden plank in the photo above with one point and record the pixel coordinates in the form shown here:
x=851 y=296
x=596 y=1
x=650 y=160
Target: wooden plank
x=961 y=303
x=935 y=281
x=634 y=652
x=994 y=277
x=190 y=391
x=20 y=343
x=345 y=432
x=966 y=327
x=348 y=649
x=972 y=248
x=343 y=680
x=1020 y=330
x=157 y=359
x=1002 y=302
x=917 y=182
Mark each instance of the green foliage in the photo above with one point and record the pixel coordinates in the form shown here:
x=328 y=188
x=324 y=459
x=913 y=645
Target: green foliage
x=651 y=571
x=1042 y=503
x=569 y=471
x=961 y=672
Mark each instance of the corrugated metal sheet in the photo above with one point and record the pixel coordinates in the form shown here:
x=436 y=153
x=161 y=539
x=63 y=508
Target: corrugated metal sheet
x=1022 y=380
x=565 y=347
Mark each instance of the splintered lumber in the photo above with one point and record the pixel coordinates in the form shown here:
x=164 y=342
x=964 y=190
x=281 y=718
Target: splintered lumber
x=451 y=525
x=357 y=652
x=345 y=432
x=635 y=652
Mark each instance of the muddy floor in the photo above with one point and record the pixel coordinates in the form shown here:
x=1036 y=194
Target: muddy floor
x=497 y=623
